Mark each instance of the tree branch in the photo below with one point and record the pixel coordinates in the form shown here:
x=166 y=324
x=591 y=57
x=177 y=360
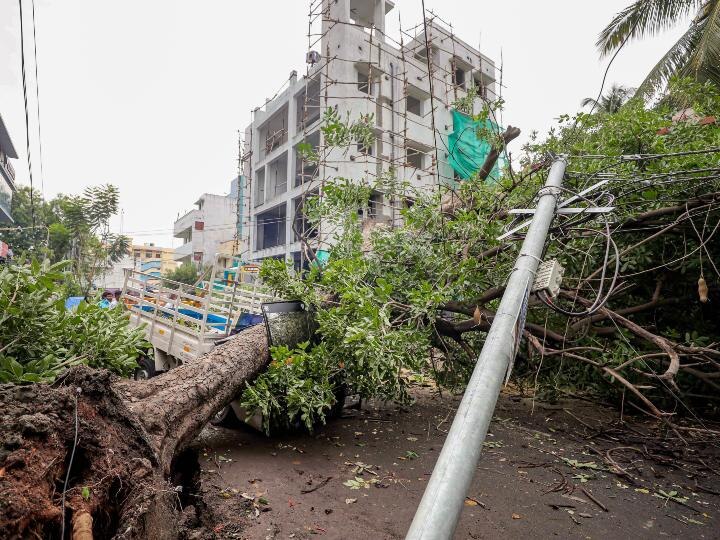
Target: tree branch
x=508 y=136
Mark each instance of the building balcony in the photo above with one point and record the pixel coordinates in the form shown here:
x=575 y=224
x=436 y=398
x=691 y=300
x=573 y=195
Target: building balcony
x=184 y=224
x=8 y=170
x=183 y=253
x=149 y=266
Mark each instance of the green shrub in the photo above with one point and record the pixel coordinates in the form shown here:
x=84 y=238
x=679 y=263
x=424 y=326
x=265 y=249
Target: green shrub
x=39 y=338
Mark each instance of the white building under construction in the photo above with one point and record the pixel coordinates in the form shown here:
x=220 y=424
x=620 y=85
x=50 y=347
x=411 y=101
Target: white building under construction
x=356 y=68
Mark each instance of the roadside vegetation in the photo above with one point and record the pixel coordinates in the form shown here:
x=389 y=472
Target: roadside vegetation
x=74 y=228
x=185 y=273
x=40 y=338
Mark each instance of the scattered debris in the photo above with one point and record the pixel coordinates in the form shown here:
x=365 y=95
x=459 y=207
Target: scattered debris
x=493 y=444
x=472 y=501
x=358 y=483
x=360 y=468
x=594 y=499
x=575 y=464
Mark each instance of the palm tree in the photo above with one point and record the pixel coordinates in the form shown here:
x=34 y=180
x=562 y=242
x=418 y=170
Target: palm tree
x=696 y=54
x=611 y=101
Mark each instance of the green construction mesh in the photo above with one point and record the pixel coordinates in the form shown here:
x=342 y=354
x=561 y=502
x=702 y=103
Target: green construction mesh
x=467 y=151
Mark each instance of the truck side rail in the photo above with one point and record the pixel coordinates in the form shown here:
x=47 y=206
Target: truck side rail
x=206 y=310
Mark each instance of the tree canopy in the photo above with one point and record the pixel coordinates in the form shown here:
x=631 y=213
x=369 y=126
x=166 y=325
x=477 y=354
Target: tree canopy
x=185 y=273
x=69 y=227
x=696 y=54
x=416 y=300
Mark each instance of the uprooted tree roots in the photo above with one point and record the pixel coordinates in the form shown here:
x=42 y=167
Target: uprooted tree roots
x=107 y=450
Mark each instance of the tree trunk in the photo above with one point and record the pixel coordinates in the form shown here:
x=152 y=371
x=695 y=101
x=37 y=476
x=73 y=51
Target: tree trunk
x=128 y=434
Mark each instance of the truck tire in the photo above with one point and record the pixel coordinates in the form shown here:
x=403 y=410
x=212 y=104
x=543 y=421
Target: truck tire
x=145 y=369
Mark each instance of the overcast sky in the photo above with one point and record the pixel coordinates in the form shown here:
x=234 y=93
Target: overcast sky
x=149 y=94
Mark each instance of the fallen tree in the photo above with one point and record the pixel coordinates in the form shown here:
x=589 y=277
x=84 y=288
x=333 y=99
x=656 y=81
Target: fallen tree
x=416 y=304
x=109 y=450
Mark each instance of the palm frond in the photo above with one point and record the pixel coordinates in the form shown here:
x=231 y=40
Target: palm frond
x=590 y=101
x=704 y=62
x=673 y=61
x=644 y=18
x=611 y=101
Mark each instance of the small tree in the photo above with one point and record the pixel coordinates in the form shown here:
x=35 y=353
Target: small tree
x=93 y=246
x=38 y=227
x=185 y=273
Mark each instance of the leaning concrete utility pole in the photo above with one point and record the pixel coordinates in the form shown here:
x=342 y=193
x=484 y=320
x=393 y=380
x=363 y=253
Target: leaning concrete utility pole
x=439 y=510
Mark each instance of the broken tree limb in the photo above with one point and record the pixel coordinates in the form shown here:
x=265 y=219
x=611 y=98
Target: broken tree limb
x=665 y=345
x=510 y=134
x=453 y=203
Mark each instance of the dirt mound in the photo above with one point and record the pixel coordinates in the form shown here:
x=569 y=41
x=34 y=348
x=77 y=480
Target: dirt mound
x=108 y=453
x=76 y=437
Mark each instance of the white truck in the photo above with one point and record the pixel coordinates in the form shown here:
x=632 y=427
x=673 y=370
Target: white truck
x=183 y=322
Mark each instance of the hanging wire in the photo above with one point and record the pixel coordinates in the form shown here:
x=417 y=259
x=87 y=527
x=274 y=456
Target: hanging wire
x=37 y=98
x=27 y=116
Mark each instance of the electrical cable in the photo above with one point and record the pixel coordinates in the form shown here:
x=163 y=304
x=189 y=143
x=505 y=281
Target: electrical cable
x=602 y=83
x=600 y=301
x=27 y=116
x=639 y=157
x=37 y=97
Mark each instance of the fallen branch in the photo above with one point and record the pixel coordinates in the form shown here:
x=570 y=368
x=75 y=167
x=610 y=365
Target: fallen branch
x=315 y=488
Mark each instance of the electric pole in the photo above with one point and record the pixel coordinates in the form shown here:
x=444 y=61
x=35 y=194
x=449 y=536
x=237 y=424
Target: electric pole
x=439 y=511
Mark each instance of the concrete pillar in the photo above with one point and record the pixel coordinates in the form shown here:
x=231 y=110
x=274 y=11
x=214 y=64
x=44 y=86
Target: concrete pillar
x=335 y=10
x=379 y=18
x=289 y=214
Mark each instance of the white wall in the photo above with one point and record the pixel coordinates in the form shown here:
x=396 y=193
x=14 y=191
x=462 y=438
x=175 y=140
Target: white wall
x=114 y=278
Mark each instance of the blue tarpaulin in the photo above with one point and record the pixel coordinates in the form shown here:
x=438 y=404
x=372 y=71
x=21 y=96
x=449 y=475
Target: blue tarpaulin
x=73 y=302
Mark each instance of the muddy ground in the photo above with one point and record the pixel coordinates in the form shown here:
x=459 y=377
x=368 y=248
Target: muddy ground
x=566 y=470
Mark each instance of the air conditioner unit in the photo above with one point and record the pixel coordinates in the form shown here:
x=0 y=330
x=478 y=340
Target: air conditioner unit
x=312 y=57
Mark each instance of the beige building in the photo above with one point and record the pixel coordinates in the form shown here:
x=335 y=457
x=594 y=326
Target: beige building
x=152 y=259
x=226 y=252
x=147 y=258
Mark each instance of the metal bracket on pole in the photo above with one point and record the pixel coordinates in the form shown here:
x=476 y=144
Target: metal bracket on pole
x=567 y=211
x=560 y=208
x=439 y=511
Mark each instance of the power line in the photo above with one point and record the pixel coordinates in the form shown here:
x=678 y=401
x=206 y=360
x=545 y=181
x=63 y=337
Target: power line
x=27 y=116
x=602 y=83
x=37 y=97
x=638 y=157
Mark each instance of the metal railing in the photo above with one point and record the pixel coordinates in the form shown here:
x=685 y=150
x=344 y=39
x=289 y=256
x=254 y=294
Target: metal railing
x=208 y=309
